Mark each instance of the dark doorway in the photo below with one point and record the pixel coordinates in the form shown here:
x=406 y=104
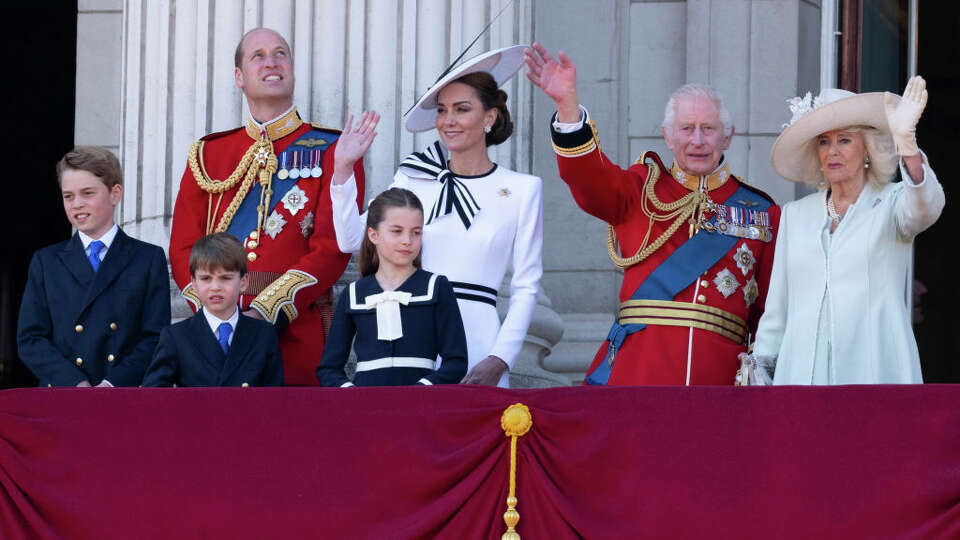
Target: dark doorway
x=938 y=335
x=40 y=94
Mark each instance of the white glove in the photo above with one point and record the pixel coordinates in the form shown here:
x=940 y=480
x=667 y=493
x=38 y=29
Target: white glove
x=903 y=116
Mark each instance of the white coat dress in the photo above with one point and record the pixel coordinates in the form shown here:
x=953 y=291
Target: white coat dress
x=863 y=276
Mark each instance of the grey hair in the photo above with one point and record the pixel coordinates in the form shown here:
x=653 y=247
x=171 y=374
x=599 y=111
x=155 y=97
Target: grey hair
x=880 y=150
x=696 y=90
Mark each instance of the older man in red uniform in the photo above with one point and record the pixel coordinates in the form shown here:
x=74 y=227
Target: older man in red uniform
x=696 y=243
x=267 y=183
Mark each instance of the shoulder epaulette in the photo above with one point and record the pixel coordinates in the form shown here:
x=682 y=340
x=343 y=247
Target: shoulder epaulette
x=652 y=155
x=755 y=189
x=315 y=125
x=219 y=134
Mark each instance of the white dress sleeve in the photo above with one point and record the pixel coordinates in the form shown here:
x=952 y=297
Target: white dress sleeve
x=773 y=322
x=527 y=270
x=348 y=223
x=919 y=205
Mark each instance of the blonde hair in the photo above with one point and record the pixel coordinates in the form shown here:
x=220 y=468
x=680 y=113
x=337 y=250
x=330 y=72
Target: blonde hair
x=879 y=149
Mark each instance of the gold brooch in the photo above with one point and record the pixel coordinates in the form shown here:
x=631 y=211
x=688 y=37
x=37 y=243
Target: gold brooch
x=504 y=192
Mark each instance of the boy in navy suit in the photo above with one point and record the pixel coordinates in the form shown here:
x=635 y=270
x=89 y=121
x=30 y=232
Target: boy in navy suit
x=94 y=305
x=218 y=346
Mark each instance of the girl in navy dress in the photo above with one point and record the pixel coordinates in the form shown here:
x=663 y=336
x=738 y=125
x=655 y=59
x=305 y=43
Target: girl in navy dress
x=402 y=317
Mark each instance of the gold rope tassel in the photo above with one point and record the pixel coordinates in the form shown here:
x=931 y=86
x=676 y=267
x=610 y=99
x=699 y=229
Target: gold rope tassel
x=516 y=421
x=684 y=209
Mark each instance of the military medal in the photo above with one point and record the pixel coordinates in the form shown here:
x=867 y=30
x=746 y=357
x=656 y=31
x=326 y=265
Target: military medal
x=294 y=170
x=283 y=173
x=744 y=258
x=317 y=170
x=743 y=223
x=304 y=169
x=726 y=282
x=295 y=200
x=751 y=291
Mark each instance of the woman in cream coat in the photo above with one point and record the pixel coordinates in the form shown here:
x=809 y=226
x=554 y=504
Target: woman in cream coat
x=836 y=310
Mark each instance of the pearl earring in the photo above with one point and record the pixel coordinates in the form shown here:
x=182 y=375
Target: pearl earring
x=866 y=163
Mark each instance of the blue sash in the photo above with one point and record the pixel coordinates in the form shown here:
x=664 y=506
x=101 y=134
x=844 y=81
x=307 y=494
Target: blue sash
x=245 y=220
x=676 y=273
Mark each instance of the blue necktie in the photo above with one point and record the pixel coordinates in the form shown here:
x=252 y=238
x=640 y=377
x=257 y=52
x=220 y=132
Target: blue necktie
x=225 y=330
x=94 y=256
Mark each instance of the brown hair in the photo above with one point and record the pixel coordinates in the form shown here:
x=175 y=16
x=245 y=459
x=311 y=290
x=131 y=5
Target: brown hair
x=218 y=250
x=238 y=54
x=97 y=161
x=367 y=260
x=492 y=98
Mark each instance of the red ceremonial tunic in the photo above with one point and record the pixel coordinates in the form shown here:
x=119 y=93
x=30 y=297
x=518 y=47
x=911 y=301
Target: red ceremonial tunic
x=666 y=354
x=296 y=259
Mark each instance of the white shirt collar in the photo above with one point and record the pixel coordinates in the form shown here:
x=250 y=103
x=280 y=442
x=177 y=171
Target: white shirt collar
x=107 y=238
x=261 y=127
x=215 y=321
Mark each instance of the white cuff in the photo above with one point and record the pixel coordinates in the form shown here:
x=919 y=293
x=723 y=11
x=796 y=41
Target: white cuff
x=425 y=382
x=347 y=384
x=565 y=127
x=908 y=180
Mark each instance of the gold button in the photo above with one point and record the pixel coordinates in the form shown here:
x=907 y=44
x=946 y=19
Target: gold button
x=701 y=299
x=113 y=326
x=252 y=244
x=245 y=385
x=78 y=328
x=79 y=361
x=251 y=256
x=110 y=356
x=254 y=235
x=704 y=283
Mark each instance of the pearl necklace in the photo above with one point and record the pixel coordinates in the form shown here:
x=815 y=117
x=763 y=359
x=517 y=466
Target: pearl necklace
x=832 y=210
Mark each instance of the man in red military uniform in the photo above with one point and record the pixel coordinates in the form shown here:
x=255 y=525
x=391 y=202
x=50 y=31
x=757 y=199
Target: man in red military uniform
x=696 y=243
x=267 y=184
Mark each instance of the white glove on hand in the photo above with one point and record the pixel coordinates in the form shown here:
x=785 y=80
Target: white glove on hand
x=903 y=116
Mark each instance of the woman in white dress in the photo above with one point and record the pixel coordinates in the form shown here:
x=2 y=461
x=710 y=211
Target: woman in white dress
x=479 y=213
x=836 y=310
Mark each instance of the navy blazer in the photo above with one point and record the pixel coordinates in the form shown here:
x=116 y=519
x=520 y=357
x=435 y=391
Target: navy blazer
x=78 y=324
x=190 y=355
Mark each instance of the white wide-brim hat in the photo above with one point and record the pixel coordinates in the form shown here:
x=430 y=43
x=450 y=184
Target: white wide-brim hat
x=832 y=109
x=502 y=64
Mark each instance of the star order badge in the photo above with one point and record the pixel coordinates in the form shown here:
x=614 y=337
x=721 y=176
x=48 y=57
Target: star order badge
x=726 y=282
x=306 y=226
x=744 y=258
x=295 y=200
x=274 y=224
x=751 y=291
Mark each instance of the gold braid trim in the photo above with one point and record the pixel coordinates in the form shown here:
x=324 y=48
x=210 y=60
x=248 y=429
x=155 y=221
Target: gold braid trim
x=680 y=210
x=280 y=294
x=191 y=296
x=259 y=158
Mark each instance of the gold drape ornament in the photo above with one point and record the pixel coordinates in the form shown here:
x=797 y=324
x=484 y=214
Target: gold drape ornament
x=515 y=421
x=687 y=208
x=258 y=163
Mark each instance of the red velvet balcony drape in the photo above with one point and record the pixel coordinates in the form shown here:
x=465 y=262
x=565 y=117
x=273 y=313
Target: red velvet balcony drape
x=385 y=463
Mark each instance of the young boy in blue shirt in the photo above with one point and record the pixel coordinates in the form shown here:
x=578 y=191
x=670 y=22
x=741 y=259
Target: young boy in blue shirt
x=218 y=346
x=94 y=305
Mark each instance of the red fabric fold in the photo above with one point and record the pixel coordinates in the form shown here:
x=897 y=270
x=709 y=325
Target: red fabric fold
x=618 y=462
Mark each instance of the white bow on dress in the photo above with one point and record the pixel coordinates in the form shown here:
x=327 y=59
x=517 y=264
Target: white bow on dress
x=389 y=326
